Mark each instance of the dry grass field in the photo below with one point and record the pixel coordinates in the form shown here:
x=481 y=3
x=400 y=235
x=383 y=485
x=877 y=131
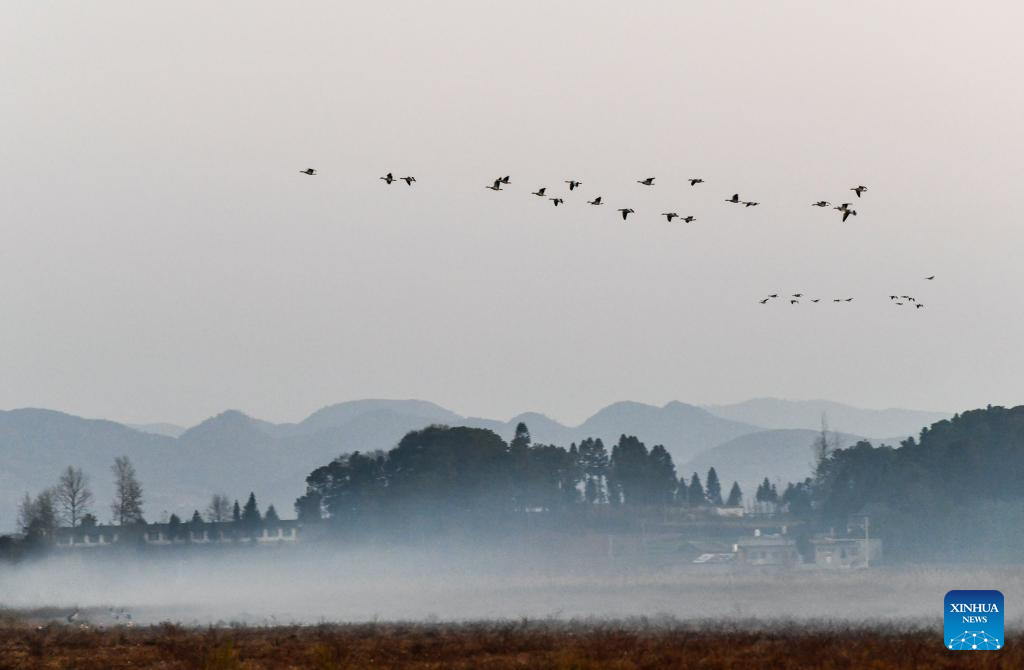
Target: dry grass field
x=493 y=645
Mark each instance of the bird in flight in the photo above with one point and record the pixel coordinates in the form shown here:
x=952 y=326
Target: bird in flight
x=893 y=297
x=798 y=295
x=774 y=295
x=734 y=199
x=573 y=184
x=816 y=300
x=626 y=212
x=670 y=216
x=540 y=191
x=388 y=178
x=794 y=302
x=408 y=180
x=837 y=299
x=859 y=189
x=647 y=182
x=821 y=203
x=688 y=219
x=845 y=209
x=930 y=278
x=695 y=181
x=496 y=186
x=595 y=201
x=919 y=305
x=557 y=201
x=750 y=203
x=309 y=171
x=504 y=180
x=765 y=300
x=848 y=300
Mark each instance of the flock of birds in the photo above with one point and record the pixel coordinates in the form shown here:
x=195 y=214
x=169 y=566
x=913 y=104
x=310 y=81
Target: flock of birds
x=845 y=210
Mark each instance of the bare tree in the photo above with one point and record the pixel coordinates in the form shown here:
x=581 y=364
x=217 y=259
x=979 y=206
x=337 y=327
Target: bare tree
x=127 y=505
x=219 y=508
x=73 y=496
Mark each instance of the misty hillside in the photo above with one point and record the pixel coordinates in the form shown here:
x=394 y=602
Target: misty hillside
x=775 y=413
x=234 y=453
x=780 y=455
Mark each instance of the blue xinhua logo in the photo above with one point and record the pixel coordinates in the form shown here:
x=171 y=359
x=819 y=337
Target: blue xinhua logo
x=973 y=620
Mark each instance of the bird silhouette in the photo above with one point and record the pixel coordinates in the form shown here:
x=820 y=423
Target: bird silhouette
x=751 y=204
x=899 y=303
x=573 y=184
x=688 y=219
x=388 y=178
x=859 y=189
x=820 y=203
x=647 y=182
x=893 y=297
x=734 y=199
x=557 y=201
x=848 y=300
x=816 y=300
x=798 y=295
x=496 y=186
x=408 y=180
x=595 y=201
x=919 y=305
x=309 y=171
x=504 y=180
x=695 y=181
x=670 y=216
x=540 y=191
x=626 y=212
x=794 y=302
x=847 y=212
x=930 y=278
x=774 y=295
x=843 y=207
x=837 y=299
x=764 y=301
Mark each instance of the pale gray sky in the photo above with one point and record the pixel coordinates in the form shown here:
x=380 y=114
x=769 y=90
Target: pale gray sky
x=163 y=259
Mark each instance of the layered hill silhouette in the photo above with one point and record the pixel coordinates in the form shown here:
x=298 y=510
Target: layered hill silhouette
x=234 y=453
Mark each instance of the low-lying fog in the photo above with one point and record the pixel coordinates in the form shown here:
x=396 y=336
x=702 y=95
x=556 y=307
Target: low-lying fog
x=315 y=584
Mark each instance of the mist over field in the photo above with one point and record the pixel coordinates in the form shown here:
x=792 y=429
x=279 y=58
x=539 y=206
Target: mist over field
x=473 y=582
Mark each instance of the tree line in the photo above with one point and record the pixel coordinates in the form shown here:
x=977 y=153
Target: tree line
x=465 y=470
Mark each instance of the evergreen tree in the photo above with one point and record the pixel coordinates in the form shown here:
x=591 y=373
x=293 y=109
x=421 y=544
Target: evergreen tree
x=662 y=472
x=629 y=471
x=521 y=442
x=173 y=527
x=695 y=492
x=714 y=488
x=735 y=496
x=236 y=513
x=594 y=462
x=764 y=491
x=197 y=519
x=270 y=517
x=681 y=492
x=251 y=513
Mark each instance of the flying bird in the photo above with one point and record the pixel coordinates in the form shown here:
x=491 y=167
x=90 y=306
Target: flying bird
x=794 y=302
x=848 y=299
x=859 y=189
x=647 y=182
x=688 y=219
x=774 y=295
x=626 y=212
x=837 y=300
x=573 y=184
x=798 y=295
x=751 y=204
x=695 y=181
x=540 y=191
x=670 y=216
x=557 y=201
x=496 y=186
x=821 y=203
x=388 y=178
x=930 y=278
x=309 y=171
x=734 y=199
x=919 y=305
x=764 y=301
x=504 y=180
x=816 y=300
x=408 y=180
x=845 y=209
x=595 y=201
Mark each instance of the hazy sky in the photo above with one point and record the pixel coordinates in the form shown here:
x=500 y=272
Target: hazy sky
x=163 y=259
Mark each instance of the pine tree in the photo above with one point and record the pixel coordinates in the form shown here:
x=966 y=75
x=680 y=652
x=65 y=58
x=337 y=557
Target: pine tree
x=714 y=488
x=735 y=496
x=662 y=475
x=270 y=517
x=251 y=513
x=681 y=492
x=236 y=513
x=695 y=492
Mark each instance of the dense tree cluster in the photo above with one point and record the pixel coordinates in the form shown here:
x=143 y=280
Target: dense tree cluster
x=470 y=471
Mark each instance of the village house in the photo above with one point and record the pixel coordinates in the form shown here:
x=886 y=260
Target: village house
x=846 y=552
x=164 y=534
x=760 y=550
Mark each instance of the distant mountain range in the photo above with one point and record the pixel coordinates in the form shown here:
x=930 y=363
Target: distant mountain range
x=234 y=453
